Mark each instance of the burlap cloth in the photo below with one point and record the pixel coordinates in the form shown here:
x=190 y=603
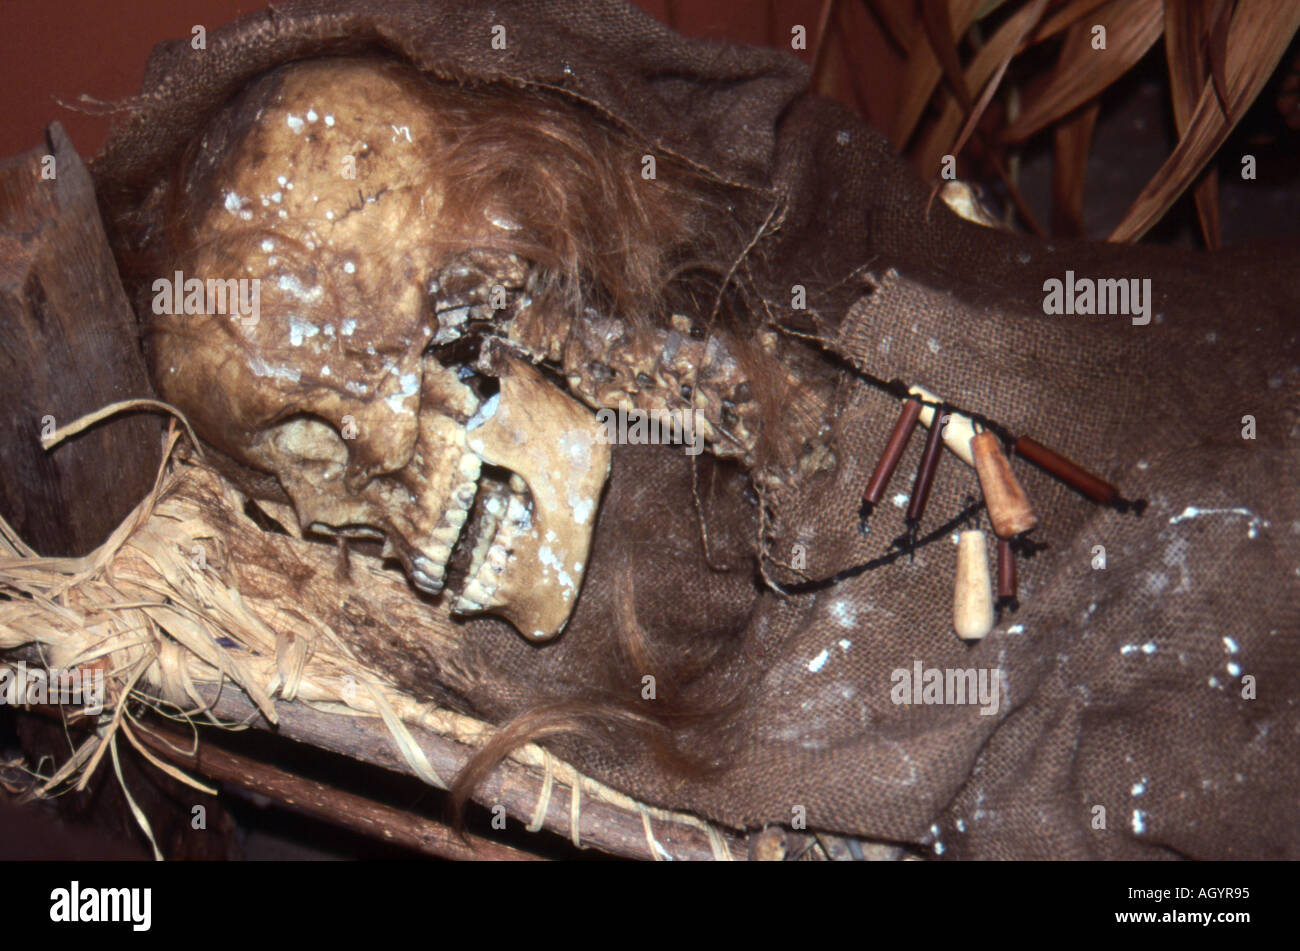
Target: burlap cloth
x=1121 y=687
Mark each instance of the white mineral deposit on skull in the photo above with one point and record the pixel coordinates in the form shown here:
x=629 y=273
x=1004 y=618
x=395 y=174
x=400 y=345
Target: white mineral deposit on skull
x=411 y=475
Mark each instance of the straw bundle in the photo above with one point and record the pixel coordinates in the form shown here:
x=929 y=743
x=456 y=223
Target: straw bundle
x=189 y=593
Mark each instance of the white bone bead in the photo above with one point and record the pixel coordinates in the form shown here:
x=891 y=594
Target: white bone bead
x=972 y=602
x=959 y=431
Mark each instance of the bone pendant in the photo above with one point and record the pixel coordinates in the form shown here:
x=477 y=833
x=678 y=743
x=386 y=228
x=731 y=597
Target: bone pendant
x=1007 y=503
x=959 y=431
x=972 y=603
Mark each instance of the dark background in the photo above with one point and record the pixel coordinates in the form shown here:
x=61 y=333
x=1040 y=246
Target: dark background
x=64 y=48
x=53 y=52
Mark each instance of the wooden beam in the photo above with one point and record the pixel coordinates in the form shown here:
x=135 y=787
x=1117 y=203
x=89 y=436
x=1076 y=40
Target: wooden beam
x=602 y=825
x=68 y=346
x=319 y=801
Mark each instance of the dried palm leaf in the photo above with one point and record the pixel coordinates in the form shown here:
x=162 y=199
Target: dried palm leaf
x=1259 y=34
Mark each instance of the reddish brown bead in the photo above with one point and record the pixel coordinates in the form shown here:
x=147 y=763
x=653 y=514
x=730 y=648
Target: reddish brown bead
x=925 y=474
x=1068 y=472
x=893 y=452
x=1007 y=581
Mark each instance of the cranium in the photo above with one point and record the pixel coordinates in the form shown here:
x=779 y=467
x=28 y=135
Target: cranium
x=335 y=389
x=354 y=386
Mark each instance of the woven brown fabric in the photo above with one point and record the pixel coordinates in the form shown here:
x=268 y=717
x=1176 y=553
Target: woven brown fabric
x=1121 y=687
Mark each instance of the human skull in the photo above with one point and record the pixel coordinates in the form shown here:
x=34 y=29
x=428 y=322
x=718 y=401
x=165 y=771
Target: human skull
x=324 y=181
x=317 y=184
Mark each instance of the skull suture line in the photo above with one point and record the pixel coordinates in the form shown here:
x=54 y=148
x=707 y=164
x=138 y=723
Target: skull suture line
x=319 y=182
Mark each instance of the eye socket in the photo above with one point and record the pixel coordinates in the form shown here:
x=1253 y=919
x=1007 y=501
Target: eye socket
x=462 y=355
x=463 y=351
x=310 y=438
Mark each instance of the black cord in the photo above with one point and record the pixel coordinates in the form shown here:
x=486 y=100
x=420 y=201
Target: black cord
x=808 y=587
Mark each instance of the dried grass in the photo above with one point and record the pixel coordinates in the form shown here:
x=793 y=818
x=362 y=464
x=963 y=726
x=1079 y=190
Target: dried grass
x=955 y=53
x=189 y=591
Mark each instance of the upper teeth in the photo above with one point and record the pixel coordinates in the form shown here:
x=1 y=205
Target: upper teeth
x=470 y=466
x=430 y=566
x=426 y=576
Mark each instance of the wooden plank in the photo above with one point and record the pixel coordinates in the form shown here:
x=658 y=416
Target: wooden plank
x=68 y=345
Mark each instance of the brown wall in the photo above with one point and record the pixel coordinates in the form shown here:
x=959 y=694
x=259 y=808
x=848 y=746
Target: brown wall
x=66 y=48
